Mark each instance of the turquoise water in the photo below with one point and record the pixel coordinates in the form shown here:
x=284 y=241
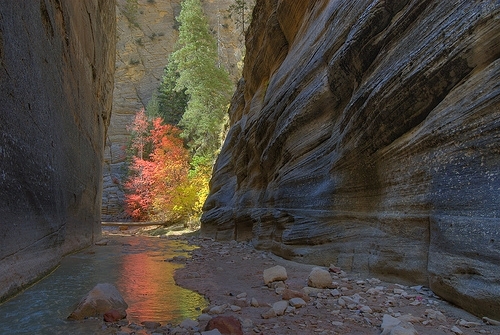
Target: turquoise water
x=136 y=265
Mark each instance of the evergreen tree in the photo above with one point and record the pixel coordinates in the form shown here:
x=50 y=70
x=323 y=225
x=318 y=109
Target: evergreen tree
x=170 y=104
x=240 y=13
x=208 y=86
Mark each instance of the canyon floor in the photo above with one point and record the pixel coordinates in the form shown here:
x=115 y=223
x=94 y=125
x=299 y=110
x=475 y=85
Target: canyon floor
x=230 y=276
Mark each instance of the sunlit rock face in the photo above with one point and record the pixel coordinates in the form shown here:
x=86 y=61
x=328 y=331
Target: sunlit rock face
x=56 y=82
x=367 y=134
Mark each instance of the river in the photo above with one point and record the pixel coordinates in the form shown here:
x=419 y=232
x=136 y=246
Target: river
x=138 y=266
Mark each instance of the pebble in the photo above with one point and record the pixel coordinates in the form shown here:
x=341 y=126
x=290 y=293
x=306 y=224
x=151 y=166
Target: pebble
x=204 y=317
x=189 y=324
x=218 y=309
x=235 y=308
x=297 y=302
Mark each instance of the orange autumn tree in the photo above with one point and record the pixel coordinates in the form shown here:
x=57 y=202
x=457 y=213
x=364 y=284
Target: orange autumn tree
x=155 y=178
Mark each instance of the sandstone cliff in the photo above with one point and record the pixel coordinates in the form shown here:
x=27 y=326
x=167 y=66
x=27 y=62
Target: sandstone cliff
x=367 y=134
x=56 y=82
x=146 y=36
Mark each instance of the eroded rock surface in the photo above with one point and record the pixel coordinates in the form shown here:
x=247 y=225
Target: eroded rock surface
x=366 y=134
x=56 y=82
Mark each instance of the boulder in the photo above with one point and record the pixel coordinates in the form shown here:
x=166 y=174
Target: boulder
x=102 y=299
x=276 y=273
x=320 y=278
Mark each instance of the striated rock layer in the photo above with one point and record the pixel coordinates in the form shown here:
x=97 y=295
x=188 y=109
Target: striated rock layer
x=56 y=82
x=367 y=134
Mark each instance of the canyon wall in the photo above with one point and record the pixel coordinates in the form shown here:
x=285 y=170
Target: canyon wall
x=146 y=35
x=367 y=134
x=56 y=82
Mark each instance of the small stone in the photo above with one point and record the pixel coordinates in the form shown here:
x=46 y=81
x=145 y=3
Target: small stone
x=280 y=307
x=389 y=322
x=217 y=309
x=247 y=323
x=270 y=313
x=334 y=269
x=102 y=242
x=400 y=291
x=275 y=273
x=204 y=317
x=312 y=291
x=241 y=295
x=337 y=323
x=319 y=278
x=433 y=314
x=279 y=290
x=289 y=294
x=254 y=302
x=456 y=330
x=235 y=308
x=241 y=302
x=151 y=324
x=366 y=309
x=335 y=293
x=468 y=324
x=373 y=281
x=491 y=321
x=189 y=324
x=297 y=302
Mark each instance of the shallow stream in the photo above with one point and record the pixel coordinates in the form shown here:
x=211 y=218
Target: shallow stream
x=138 y=266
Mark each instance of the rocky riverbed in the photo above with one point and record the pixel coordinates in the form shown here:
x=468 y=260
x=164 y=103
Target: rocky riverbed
x=260 y=293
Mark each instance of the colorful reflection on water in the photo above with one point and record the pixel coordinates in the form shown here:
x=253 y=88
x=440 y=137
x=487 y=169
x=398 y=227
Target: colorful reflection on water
x=146 y=283
x=136 y=265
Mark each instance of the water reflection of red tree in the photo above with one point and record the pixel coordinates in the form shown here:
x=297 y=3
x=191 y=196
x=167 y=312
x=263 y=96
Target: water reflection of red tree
x=147 y=284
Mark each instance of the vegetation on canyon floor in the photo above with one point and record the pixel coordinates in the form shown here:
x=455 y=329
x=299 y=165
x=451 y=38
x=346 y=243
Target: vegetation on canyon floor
x=176 y=139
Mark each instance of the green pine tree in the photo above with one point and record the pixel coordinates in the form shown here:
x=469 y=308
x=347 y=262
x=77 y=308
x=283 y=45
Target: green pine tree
x=240 y=12
x=170 y=103
x=208 y=86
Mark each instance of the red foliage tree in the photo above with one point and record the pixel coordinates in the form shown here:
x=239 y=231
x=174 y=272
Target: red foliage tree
x=153 y=181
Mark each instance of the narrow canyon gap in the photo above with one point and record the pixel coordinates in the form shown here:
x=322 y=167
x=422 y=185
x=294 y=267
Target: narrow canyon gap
x=57 y=62
x=367 y=134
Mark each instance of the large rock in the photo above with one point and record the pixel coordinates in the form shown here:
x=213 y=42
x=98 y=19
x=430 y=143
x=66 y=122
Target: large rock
x=56 y=82
x=319 y=278
x=365 y=134
x=102 y=300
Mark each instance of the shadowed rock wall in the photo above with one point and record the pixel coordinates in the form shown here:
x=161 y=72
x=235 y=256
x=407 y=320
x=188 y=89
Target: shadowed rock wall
x=367 y=134
x=56 y=81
